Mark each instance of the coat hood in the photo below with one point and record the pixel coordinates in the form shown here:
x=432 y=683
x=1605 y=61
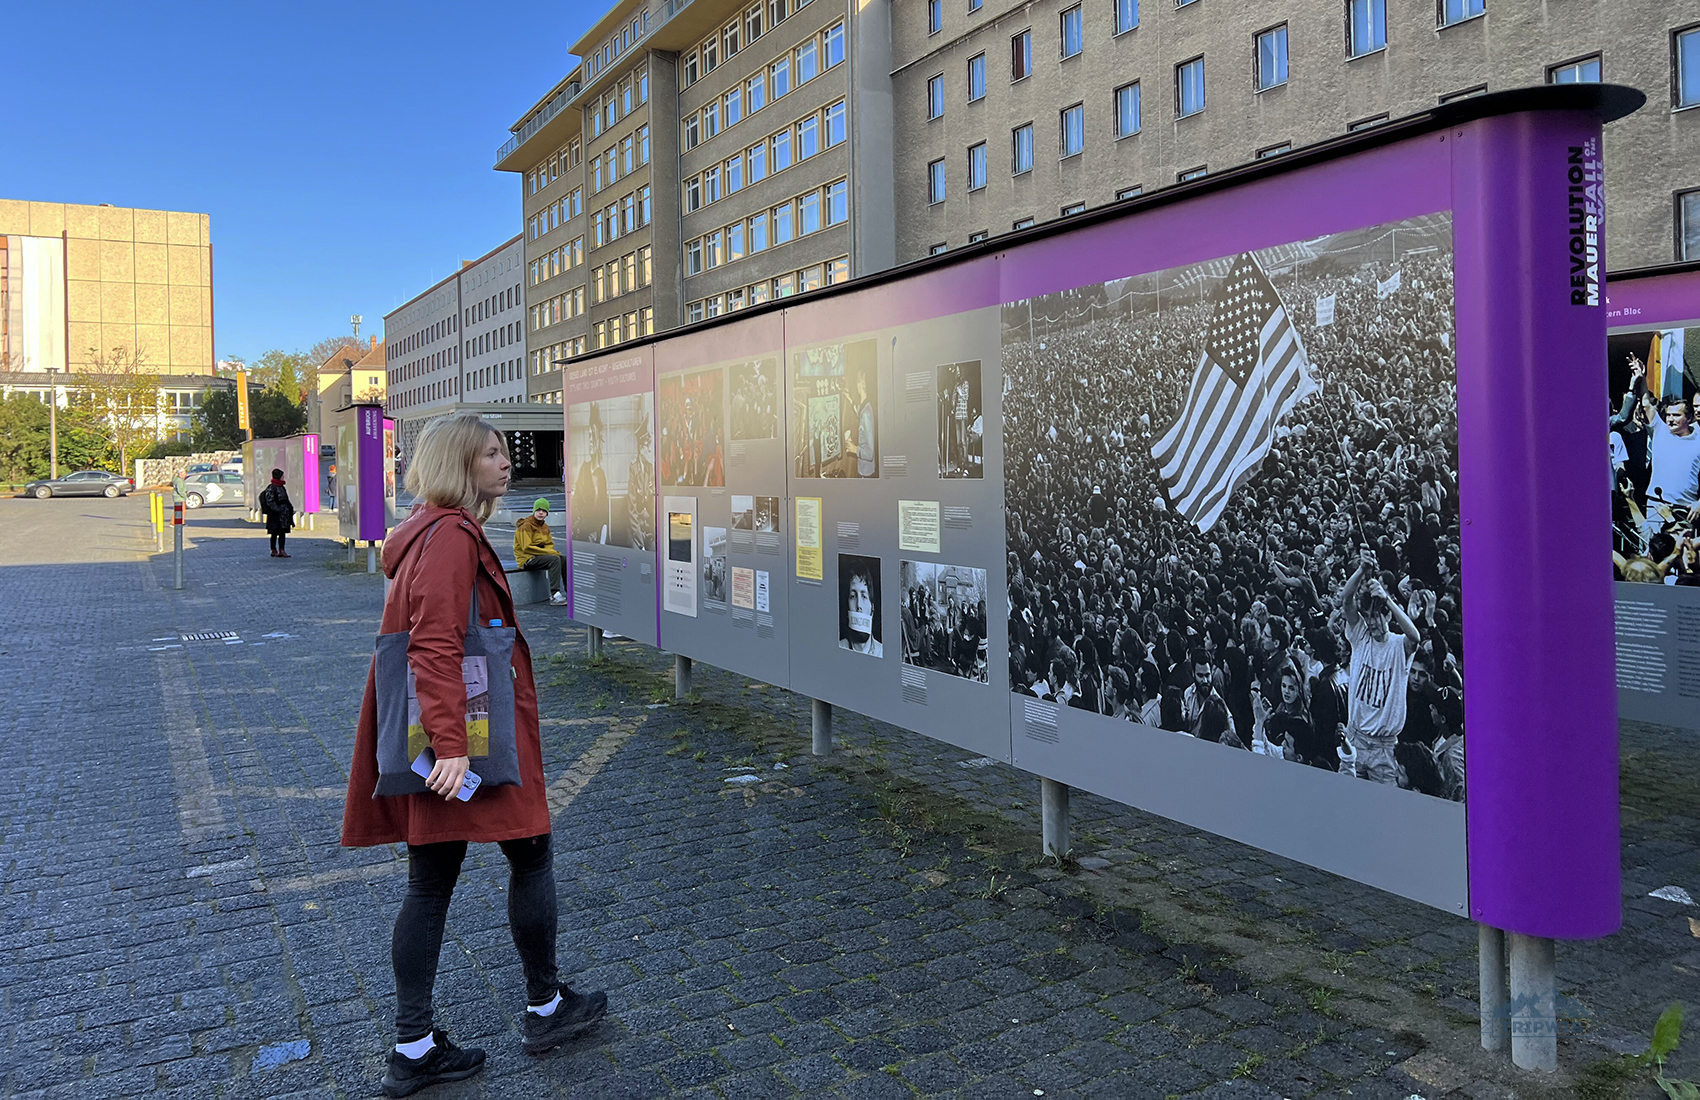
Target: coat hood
x=410 y=530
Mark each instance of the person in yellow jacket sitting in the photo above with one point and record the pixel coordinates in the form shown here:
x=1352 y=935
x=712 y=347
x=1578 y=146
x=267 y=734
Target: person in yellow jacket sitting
x=534 y=548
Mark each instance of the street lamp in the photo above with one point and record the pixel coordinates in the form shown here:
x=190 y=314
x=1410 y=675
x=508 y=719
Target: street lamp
x=53 y=423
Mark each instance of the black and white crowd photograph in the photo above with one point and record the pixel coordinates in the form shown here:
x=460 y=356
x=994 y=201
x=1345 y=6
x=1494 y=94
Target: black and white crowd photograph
x=714 y=576
x=610 y=448
x=859 y=605
x=944 y=618
x=1655 y=456
x=755 y=399
x=961 y=426
x=1232 y=503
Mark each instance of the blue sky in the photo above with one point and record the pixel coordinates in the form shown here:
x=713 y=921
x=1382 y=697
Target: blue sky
x=343 y=150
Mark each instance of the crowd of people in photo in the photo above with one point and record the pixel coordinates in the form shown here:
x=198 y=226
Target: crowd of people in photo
x=944 y=624
x=1655 y=450
x=755 y=399
x=1318 y=621
x=690 y=450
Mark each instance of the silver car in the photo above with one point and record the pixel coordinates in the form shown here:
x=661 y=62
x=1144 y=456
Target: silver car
x=212 y=487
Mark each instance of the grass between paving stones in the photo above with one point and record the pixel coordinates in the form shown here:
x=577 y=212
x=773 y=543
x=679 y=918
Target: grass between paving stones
x=1215 y=951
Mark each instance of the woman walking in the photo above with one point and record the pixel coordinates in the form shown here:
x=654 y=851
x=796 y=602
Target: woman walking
x=436 y=559
x=279 y=511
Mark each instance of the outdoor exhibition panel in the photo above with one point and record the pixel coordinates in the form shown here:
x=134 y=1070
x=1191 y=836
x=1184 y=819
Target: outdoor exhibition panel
x=298 y=458
x=365 y=485
x=1654 y=363
x=1238 y=502
x=611 y=506
x=720 y=460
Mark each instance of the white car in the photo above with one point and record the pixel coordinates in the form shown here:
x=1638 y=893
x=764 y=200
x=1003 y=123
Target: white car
x=213 y=487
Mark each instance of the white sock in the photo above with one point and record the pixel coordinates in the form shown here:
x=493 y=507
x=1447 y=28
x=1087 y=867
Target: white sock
x=418 y=1048
x=548 y=1009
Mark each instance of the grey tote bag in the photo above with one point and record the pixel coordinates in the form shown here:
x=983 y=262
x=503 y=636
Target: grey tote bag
x=487 y=669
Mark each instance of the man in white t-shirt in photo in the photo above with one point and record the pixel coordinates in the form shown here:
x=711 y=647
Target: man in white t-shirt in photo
x=1379 y=673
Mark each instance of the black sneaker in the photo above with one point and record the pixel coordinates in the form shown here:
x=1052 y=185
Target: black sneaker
x=443 y=1062
x=577 y=1012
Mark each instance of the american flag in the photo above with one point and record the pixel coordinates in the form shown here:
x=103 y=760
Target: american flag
x=1251 y=374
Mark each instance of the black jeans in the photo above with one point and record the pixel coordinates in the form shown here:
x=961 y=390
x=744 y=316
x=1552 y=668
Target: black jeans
x=277 y=543
x=432 y=870
x=551 y=562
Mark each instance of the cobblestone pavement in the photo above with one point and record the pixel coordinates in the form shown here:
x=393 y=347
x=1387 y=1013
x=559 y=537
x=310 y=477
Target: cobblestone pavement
x=176 y=915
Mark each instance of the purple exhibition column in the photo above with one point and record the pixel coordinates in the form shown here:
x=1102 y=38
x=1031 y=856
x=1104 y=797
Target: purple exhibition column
x=369 y=424
x=309 y=474
x=1536 y=533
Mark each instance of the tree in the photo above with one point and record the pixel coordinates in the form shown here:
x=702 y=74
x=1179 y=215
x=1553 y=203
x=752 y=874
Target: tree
x=274 y=415
x=122 y=394
x=281 y=371
x=216 y=422
x=25 y=442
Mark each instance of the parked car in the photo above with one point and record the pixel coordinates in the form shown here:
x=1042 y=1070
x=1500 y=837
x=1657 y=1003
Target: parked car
x=83 y=483
x=201 y=468
x=212 y=487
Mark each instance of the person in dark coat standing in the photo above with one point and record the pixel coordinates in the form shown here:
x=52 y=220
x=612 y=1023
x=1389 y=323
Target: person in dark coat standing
x=460 y=469
x=279 y=511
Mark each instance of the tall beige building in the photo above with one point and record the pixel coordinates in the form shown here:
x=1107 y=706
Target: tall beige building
x=83 y=286
x=712 y=155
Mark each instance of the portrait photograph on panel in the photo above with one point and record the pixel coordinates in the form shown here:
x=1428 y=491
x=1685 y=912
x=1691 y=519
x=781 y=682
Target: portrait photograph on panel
x=1232 y=506
x=714 y=576
x=755 y=399
x=943 y=611
x=835 y=409
x=961 y=426
x=859 y=605
x=691 y=448
x=613 y=471
x=1655 y=456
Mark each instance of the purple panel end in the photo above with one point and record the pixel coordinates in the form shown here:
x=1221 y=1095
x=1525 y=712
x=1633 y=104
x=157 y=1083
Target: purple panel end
x=1539 y=648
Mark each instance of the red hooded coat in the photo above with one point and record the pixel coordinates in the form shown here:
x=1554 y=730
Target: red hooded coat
x=430 y=596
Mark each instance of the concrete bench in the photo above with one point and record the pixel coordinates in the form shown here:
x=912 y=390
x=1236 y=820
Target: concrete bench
x=527 y=585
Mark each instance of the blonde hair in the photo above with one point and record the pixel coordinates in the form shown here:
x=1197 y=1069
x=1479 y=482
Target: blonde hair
x=443 y=460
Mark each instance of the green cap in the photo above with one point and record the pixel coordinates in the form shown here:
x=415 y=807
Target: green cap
x=540 y=504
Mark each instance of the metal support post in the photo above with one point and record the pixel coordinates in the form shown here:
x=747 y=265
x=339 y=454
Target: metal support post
x=371 y=557
x=821 y=713
x=681 y=676
x=177 y=548
x=1534 y=1003
x=351 y=551
x=1496 y=1029
x=594 y=647
x=1053 y=814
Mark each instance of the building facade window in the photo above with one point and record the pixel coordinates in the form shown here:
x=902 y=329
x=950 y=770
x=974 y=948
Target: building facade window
x=976 y=166
x=935 y=97
x=808 y=137
x=935 y=182
x=1073 y=208
x=1127 y=110
x=807 y=58
x=1583 y=70
x=1127 y=15
x=1129 y=193
x=935 y=16
x=976 y=238
x=1191 y=174
x=1189 y=87
x=1466 y=93
x=1688 y=225
x=755 y=92
x=1021 y=56
x=779 y=77
x=835 y=124
x=1685 y=63
x=834 y=39
x=1456 y=11
x=1023 y=223
x=1073 y=33
x=1072 y=139
x=1274 y=150
x=1369 y=123
x=1021 y=144
x=1366 y=26
x=838 y=202
x=1272 y=58
x=977 y=78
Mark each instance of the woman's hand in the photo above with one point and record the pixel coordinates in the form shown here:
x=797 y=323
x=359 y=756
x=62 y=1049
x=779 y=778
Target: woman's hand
x=447 y=775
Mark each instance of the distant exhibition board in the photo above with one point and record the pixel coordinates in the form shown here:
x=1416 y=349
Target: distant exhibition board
x=1218 y=503
x=1653 y=361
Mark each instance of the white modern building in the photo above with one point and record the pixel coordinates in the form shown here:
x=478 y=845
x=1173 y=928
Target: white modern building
x=459 y=342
